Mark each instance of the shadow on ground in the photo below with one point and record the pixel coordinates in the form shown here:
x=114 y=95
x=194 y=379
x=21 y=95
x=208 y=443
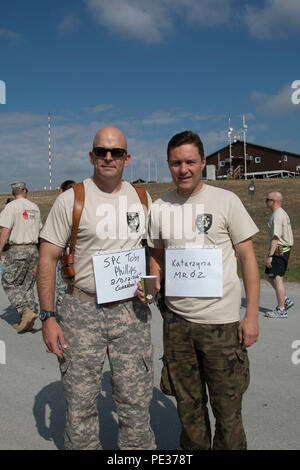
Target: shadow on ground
x=261 y=309
x=49 y=412
x=11 y=316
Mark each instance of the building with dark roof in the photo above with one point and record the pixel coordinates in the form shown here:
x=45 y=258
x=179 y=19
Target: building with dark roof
x=251 y=160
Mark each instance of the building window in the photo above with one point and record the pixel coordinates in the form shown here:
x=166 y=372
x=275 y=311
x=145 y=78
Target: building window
x=285 y=158
x=222 y=163
x=257 y=159
x=298 y=168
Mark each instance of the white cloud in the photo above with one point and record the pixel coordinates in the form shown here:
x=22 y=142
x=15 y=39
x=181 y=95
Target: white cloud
x=275 y=104
x=24 y=143
x=163 y=117
x=159 y=118
x=24 y=149
x=276 y=18
x=206 y=13
x=213 y=140
x=8 y=34
x=132 y=18
x=151 y=21
x=68 y=24
x=20 y=120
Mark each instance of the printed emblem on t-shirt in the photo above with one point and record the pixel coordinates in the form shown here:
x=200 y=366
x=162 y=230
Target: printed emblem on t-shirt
x=133 y=221
x=25 y=215
x=203 y=222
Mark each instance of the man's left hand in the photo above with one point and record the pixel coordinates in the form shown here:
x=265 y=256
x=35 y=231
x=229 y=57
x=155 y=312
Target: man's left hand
x=248 y=332
x=269 y=262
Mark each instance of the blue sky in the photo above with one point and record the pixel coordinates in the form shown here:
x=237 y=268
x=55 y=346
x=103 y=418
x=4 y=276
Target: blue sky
x=150 y=67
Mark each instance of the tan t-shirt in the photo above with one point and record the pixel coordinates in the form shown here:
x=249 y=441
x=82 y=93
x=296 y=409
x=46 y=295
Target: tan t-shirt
x=217 y=217
x=109 y=222
x=23 y=218
x=279 y=225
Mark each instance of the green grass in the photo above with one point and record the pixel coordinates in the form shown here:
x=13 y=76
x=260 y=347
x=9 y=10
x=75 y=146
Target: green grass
x=292 y=273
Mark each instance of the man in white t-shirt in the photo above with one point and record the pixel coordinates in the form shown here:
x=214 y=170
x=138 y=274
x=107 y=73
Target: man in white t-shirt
x=281 y=240
x=204 y=341
x=21 y=222
x=84 y=333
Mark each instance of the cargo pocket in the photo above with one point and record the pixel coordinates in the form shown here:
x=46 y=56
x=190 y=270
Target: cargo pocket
x=148 y=359
x=166 y=385
x=64 y=364
x=243 y=369
x=228 y=376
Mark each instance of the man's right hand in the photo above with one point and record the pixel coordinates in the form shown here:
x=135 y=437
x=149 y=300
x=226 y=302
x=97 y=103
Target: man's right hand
x=52 y=333
x=140 y=292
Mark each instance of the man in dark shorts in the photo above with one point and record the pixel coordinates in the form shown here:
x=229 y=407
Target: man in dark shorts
x=280 y=237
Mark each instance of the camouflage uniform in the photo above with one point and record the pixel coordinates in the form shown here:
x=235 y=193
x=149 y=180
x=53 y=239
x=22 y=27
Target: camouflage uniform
x=197 y=356
x=123 y=332
x=61 y=287
x=17 y=278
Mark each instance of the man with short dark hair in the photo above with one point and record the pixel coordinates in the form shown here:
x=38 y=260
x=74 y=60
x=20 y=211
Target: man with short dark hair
x=204 y=340
x=66 y=185
x=280 y=237
x=21 y=222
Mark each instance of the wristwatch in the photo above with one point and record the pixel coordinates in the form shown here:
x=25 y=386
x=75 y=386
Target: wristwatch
x=44 y=314
x=270 y=255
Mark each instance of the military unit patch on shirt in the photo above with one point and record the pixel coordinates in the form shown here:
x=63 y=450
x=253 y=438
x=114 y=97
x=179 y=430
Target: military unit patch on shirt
x=203 y=222
x=133 y=221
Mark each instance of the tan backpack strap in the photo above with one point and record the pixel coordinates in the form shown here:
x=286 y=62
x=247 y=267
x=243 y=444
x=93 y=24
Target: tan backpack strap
x=142 y=195
x=77 y=211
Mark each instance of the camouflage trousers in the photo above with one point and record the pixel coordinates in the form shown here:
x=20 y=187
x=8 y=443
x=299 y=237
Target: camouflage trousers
x=201 y=360
x=123 y=333
x=17 y=278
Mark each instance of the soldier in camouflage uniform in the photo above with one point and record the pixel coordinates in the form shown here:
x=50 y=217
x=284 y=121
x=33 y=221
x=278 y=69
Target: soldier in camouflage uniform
x=84 y=332
x=21 y=224
x=204 y=341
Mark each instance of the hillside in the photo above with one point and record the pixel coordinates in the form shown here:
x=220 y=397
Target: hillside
x=290 y=188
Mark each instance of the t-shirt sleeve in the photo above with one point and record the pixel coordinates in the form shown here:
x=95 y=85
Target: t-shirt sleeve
x=57 y=228
x=6 y=217
x=277 y=224
x=240 y=224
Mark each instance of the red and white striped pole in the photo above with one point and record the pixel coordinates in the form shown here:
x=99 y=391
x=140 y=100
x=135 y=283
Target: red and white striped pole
x=49 y=148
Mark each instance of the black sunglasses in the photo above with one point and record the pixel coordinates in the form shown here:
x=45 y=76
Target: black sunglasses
x=267 y=199
x=116 y=153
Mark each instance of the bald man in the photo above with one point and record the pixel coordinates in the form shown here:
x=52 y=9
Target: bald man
x=280 y=237
x=84 y=332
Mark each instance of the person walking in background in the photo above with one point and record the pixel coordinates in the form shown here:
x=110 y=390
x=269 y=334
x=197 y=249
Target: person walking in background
x=21 y=223
x=66 y=185
x=280 y=238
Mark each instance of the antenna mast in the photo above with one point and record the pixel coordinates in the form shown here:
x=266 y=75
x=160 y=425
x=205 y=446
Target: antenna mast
x=49 y=152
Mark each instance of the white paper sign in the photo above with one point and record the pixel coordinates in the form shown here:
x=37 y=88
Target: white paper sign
x=117 y=274
x=194 y=272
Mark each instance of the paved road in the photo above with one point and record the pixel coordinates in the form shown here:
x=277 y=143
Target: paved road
x=32 y=404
